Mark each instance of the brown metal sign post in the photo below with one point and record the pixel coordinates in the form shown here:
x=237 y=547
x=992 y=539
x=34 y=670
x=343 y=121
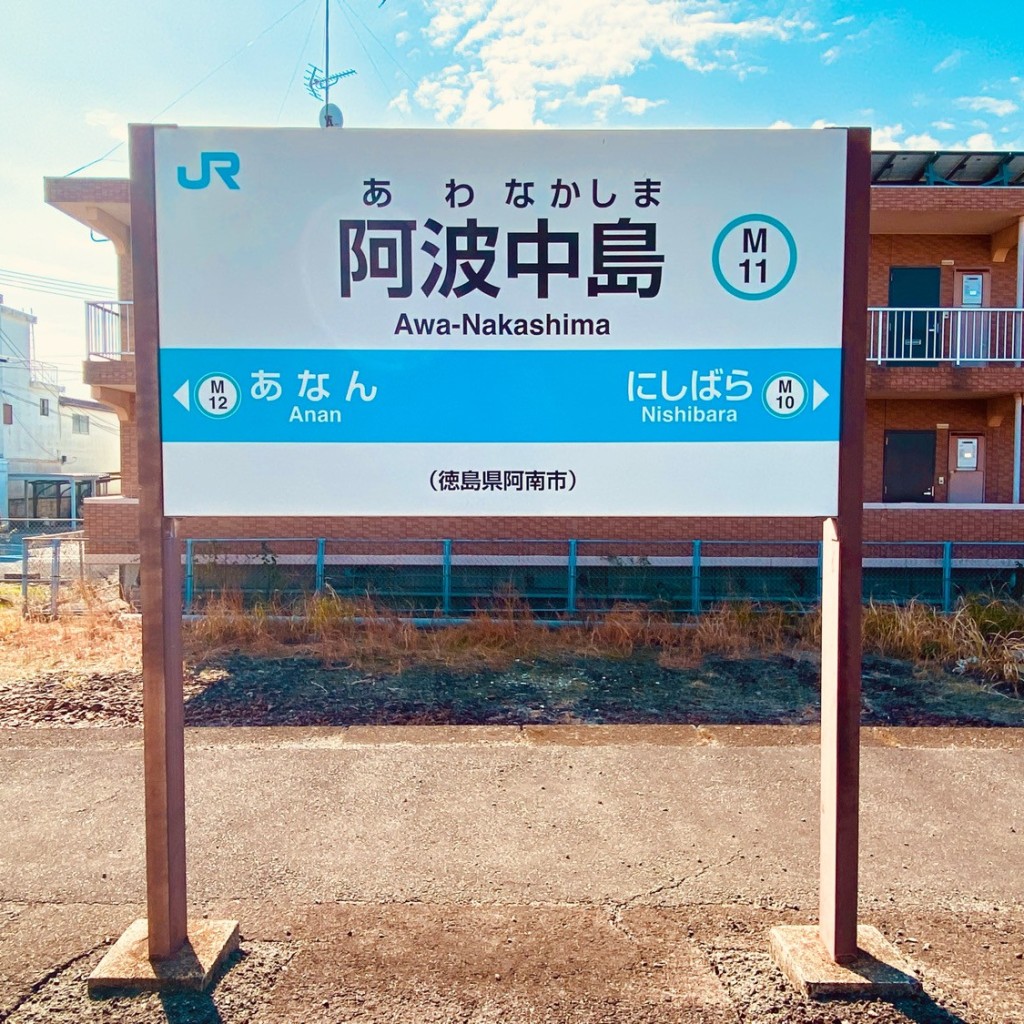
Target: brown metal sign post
x=164 y=950
x=160 y=583
x=841 y=589
x=814 y=958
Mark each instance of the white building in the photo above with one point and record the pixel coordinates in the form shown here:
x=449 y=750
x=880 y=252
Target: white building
x=54 y=450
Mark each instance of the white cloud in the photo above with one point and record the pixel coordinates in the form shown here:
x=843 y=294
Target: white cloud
x=401 y=38
x=943 y=126
x=638 y=105
x=922 y=141
x=831 y=55
x=982 y=141
x=844 y=21
x=819 y=123
x=988 y=105
x=602 y=100
x=886 y=137
x=115 y=124
x=519 y=56
x=401 y=102
x=892 y=137
x=950 y=62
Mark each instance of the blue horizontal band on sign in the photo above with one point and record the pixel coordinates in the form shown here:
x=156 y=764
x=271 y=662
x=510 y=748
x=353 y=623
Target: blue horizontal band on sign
x=498 y=396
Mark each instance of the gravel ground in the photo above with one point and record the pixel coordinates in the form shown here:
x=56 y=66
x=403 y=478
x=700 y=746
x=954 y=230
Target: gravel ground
x=292 y=980
x=242 y=690
x=239 y=992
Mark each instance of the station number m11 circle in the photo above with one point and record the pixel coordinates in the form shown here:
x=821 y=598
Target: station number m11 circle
x=754 y=256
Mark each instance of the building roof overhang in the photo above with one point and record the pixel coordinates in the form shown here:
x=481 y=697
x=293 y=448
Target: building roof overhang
x=102 y=204
x=949 y=210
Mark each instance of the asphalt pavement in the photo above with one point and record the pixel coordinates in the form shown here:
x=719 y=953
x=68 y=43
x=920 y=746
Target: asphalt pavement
x=537 y=873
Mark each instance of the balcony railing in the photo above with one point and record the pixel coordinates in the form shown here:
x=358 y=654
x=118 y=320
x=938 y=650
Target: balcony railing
x=47 y=374
x=962 y=336
x=109 y=330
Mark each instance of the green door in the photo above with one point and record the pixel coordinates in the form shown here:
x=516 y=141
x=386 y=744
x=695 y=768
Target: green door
x=908 y=472
x=915 y=325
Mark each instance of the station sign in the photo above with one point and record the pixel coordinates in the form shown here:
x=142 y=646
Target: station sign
x=627 y=323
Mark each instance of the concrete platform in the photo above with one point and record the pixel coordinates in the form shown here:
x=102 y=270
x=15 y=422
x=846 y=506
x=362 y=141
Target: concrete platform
x=127 y=964
x=880 y=972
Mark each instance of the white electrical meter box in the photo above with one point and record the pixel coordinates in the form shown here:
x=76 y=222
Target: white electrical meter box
x=966 y=453
x=973 y=290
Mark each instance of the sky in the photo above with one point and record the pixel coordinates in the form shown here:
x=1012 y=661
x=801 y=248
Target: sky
x=73 y=75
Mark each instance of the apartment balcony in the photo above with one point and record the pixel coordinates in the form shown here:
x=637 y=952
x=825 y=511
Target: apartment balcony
x=110 y=345
x=108 y=330
x=944 y=352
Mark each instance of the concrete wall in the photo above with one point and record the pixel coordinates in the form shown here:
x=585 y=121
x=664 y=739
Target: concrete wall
x=98 y=451
x=32 y=441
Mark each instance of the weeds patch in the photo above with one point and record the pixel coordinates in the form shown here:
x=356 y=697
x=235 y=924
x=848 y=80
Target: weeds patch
x=982 y=637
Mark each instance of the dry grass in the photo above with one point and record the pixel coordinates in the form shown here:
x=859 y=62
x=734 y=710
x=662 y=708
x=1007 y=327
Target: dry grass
x=982 y=636
x=913 y=632
x=100 y=638
x=336 y=630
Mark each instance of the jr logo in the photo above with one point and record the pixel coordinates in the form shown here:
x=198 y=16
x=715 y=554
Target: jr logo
x=225 y=164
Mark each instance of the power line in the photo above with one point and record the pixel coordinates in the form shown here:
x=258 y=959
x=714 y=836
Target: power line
x=193 y=88
x=54 y=285
x=32 y=437
x=387 y=52
x=298 y=63
x=369 y=56
x=30 y=399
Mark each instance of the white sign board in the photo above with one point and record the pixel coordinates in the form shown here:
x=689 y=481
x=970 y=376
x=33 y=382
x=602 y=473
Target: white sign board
x=627 y=323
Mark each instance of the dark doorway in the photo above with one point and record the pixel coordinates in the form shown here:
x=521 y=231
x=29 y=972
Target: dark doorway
x=909 y=467
x=915 y=324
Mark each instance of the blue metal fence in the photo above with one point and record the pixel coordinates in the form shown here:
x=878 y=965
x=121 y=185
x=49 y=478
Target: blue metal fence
x=455 y=577
x=13 y=531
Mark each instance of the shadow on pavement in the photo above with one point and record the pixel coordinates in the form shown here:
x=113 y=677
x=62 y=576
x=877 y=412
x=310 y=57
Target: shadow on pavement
x=924 y=1010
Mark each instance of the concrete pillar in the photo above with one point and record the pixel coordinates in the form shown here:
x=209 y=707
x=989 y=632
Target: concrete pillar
x=1020 y=262
x=1017 y=400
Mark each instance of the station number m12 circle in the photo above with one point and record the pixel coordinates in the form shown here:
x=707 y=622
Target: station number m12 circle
x=217 y=395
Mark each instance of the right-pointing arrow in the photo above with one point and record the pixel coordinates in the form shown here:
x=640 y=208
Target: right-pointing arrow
x=182 y=396
x=819 y=396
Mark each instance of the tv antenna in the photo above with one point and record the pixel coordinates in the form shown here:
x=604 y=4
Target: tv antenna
x=319 y=81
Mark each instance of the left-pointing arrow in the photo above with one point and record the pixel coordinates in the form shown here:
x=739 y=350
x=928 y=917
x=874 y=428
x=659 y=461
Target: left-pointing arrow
x=182 y=396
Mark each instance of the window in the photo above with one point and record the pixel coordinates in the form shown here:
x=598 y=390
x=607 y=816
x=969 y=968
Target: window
x=8 y=414
x=79 y=424
x=44 y=407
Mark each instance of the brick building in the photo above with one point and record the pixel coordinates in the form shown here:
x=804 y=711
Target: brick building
x=945 y=377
